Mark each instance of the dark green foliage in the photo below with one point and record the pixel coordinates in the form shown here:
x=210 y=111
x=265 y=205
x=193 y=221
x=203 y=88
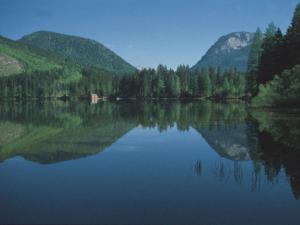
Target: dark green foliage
x=280 y=52
x=184 y=74
x=166 y=83
x=83 y=51
x=53 y=74
x=283 y=90
x=274 y=138
x=278 y=69
x=26 y=86
x=206 y=85
x=57 y=83
x=270 y=58
x=147 y=83
x=291 y=43
x=253 y=63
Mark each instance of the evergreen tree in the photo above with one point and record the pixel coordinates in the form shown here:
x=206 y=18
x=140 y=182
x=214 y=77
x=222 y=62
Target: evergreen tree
x=199 y=81
x=183 y=73
x=162 y=73
x=227 y=88
x=291 y=42
x=206 y=85
x=173 y=85
x=213 y=79
x=253 y=63
x=271 y=45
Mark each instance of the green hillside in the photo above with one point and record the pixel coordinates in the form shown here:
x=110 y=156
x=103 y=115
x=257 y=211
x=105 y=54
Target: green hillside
x=22 y=66
x=16 y=58
x=59 y=131
x=83 y=51
x=48 y=144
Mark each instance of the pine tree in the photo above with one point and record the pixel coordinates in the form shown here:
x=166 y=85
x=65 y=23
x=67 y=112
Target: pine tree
x=291 y=53
x=269 y=60
x=206 y=87
x=183 y=73
x=253 y=63
x=225 y=88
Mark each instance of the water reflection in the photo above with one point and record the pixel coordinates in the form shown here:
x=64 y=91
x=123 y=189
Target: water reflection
x=198 y=168
x=51 y=132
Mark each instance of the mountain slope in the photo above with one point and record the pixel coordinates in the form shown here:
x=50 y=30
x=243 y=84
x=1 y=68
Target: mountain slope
x=46 y=144
x=9 y=65
x=229 y=141
x=230 y=51
x=16 y=58
x=59 y=131
x=80 y=50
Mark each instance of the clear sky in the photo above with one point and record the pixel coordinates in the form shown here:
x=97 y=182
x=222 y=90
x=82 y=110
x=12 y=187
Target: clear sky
x=145 y=32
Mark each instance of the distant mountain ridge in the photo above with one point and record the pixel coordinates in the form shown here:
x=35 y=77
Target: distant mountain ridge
x=77 y=49
x=230 y=51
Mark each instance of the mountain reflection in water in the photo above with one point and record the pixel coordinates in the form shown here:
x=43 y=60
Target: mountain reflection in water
x=52 y=132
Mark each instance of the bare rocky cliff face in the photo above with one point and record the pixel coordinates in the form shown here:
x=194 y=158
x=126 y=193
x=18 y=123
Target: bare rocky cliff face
x=230 y=51
x=236 y=41
x=9 y=65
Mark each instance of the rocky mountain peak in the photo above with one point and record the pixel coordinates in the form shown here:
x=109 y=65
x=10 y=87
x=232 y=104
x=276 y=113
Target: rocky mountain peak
x=230 y=51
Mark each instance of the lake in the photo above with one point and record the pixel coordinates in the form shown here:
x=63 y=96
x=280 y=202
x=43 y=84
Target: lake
x=148 y=163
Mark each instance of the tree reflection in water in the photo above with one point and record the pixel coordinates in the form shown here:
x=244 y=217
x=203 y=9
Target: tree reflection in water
x=50 y=132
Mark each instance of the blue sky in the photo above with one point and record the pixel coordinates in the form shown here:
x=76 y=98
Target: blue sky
x=145 y=32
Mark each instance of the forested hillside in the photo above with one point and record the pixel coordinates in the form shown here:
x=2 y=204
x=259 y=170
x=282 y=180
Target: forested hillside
x=28 y=72
x=70 y=67
x=32 y=73
x=80 y=50
x=17 y=57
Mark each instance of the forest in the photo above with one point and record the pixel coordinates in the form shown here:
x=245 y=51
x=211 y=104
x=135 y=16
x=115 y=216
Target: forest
x=271 y=137
x=147 y=83
x=272 y=77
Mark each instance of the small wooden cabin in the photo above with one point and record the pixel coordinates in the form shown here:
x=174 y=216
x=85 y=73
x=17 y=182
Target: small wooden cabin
x=94 y=98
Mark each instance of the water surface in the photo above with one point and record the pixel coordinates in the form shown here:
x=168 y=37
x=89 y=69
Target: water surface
x=148 y=163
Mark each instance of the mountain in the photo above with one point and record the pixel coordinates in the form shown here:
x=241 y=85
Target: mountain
x=24 y=65
x=229 y=141
x=80 y=50
x=16 y=58
x=230 y=51
x=60 y=131
x=55 y=144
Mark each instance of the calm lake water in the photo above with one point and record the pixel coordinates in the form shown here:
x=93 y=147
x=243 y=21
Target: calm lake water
x=148 y=163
